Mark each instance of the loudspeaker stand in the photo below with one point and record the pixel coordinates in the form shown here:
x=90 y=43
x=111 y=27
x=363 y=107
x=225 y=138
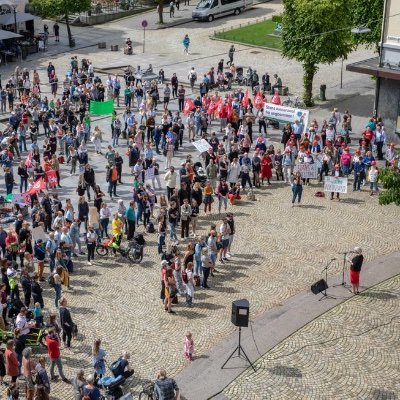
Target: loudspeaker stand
x=239 y=349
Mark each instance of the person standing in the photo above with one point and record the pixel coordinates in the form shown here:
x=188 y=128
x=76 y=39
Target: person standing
x=231 y=52
x=206 y=264
x=171 y=9
x=355 y=269
x=56 y=30
x=186 y=43
x=186 y=212
x=297 y=188
x=42 y=379
x=28 y=367
x=53 y=349
x=91 y=239
x=66 y=323
x=11 y=361
x=181 y=97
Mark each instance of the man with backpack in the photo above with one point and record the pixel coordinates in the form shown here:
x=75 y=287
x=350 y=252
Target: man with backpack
x=165 y=388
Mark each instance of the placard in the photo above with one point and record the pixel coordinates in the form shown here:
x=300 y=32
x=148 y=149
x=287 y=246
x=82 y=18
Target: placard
x=334 y=184
x=308 y=170
x=149 y=173
x=201 y=145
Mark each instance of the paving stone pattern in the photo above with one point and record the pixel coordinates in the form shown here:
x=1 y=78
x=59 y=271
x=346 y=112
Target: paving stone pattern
x=350 y=352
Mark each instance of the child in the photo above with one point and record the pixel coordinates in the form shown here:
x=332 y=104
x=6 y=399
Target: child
x=2 y=366
x=188 y=346
x=373 y=178
x=37 y=313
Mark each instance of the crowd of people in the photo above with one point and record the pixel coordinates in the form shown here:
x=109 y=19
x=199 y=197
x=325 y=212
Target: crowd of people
x=48 y=138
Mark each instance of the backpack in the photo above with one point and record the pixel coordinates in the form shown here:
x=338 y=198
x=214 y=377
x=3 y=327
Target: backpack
x=50 y=280
x=185 y=277
x=197 y=280
x=116 y=367
x=150 y=227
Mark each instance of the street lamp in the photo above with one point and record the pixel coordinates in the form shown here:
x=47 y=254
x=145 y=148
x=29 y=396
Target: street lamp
x=358 y=30
x=15 y=19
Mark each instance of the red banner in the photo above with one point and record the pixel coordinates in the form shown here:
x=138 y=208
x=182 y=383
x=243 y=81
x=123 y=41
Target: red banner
x=229 y=112
x=221 y=109
x=189 y=106
x=258 y=101
x=37 y=186
x=276 y=99
x=51 y=178
x=211 y=108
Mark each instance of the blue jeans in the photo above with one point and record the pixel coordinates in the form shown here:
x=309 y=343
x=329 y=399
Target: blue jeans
x=23 y=183
x=222 y=200
x=206 y=274
x=57 y=289
x=22 y=140
x=9 y=188
x=112 y=188
x=357 y=182
x=161 y=243
x=104 y=225
x=172 y=234
x=297 y=192
x=139 y=213
x=213 y=257
x=198 y=267
x=345 y=170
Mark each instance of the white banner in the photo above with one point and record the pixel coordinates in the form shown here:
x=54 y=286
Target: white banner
x=286 y=114
x=336 y=185
x=308 y=170
x=201 y=145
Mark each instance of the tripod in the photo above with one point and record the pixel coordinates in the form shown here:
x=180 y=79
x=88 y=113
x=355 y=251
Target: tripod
x=239 y=348
x=324 y=294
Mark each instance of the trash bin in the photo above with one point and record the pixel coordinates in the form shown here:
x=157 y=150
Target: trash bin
x=322 y=91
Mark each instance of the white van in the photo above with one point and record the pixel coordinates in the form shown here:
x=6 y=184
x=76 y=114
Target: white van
x=207 y=10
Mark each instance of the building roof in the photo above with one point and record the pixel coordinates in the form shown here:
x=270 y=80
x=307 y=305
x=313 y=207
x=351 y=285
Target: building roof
x=371 y=67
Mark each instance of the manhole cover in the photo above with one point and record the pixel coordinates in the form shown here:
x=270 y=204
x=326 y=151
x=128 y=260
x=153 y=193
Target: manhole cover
x=255 y=52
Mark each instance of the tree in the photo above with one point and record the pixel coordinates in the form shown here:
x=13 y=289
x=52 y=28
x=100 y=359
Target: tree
x=369 y=14
x=160 y=9
x=56 y=8
x=315 y=32
x=390 y=179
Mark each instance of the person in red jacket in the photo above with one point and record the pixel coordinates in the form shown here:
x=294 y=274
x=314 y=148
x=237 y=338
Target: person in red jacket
x=53 y=349
x=11 y=361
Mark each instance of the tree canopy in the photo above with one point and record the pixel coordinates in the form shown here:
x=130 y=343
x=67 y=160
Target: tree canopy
x=391 y=182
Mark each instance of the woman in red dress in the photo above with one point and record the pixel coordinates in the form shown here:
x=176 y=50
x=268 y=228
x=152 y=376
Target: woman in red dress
x=266 y=168
x=355 y=269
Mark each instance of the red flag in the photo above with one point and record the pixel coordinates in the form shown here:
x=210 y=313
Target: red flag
x=245 y=100
x=258 y=101
x=220 y=109
x=229 y=112
x=26 y=197
x=189 y=106
x=37 y=186
x=51 y=178
x=211 y=108
x=28 y=161
x=276 y=99
x=205 y=101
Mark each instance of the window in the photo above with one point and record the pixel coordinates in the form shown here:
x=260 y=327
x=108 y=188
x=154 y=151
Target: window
x=225 y=2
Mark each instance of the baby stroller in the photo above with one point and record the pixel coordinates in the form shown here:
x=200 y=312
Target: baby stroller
x=112 y=386
x=239 y=76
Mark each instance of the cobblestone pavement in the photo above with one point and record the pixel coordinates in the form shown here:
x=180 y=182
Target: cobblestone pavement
x=350 y=352
x=279 y=251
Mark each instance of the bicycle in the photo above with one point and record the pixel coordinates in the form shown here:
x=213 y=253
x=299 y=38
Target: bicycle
x=147 y=393
x=296 y=103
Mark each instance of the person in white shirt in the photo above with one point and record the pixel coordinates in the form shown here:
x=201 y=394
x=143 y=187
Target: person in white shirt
x=22 y=324
x=224 y=231
x=91 y=239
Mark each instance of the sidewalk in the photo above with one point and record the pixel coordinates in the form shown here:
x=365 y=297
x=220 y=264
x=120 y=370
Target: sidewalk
x=270 y=329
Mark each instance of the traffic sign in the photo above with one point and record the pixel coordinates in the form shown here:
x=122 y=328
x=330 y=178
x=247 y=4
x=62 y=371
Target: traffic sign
x=144 y=23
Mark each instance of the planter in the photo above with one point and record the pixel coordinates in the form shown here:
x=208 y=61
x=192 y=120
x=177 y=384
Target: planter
x=114 y=47
x=102 y=45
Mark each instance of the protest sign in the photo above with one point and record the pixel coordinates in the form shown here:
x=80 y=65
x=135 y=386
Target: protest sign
x=286 y=114
x=334 y=184
x=149 y=173
x=308 y=170
x=201 y=145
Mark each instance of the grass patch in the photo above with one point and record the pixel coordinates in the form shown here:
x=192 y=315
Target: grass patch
x=256 y=34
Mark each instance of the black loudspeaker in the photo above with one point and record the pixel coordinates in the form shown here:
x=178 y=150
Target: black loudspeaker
x=319 y=286
x=240 y=312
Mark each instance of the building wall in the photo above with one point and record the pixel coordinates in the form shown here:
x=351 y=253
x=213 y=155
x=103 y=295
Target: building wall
x=389 y=107
x=393 y=22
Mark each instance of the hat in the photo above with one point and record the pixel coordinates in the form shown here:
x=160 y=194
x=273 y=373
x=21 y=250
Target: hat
x=329 y=142
x=392 y=145
x=220 y=145
x=373 y=162
x=358 y=151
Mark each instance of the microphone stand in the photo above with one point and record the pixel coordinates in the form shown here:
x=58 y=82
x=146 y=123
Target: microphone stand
x=324 y=294
x=343 y=283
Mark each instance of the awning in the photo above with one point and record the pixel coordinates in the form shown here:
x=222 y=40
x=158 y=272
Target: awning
x=8 y=19
x=8 y=35
x=371 y=67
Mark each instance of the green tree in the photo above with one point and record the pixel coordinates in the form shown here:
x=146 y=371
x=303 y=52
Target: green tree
x=369 y=14
x=315 y=32
x=56 y=8
x=391 y=182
